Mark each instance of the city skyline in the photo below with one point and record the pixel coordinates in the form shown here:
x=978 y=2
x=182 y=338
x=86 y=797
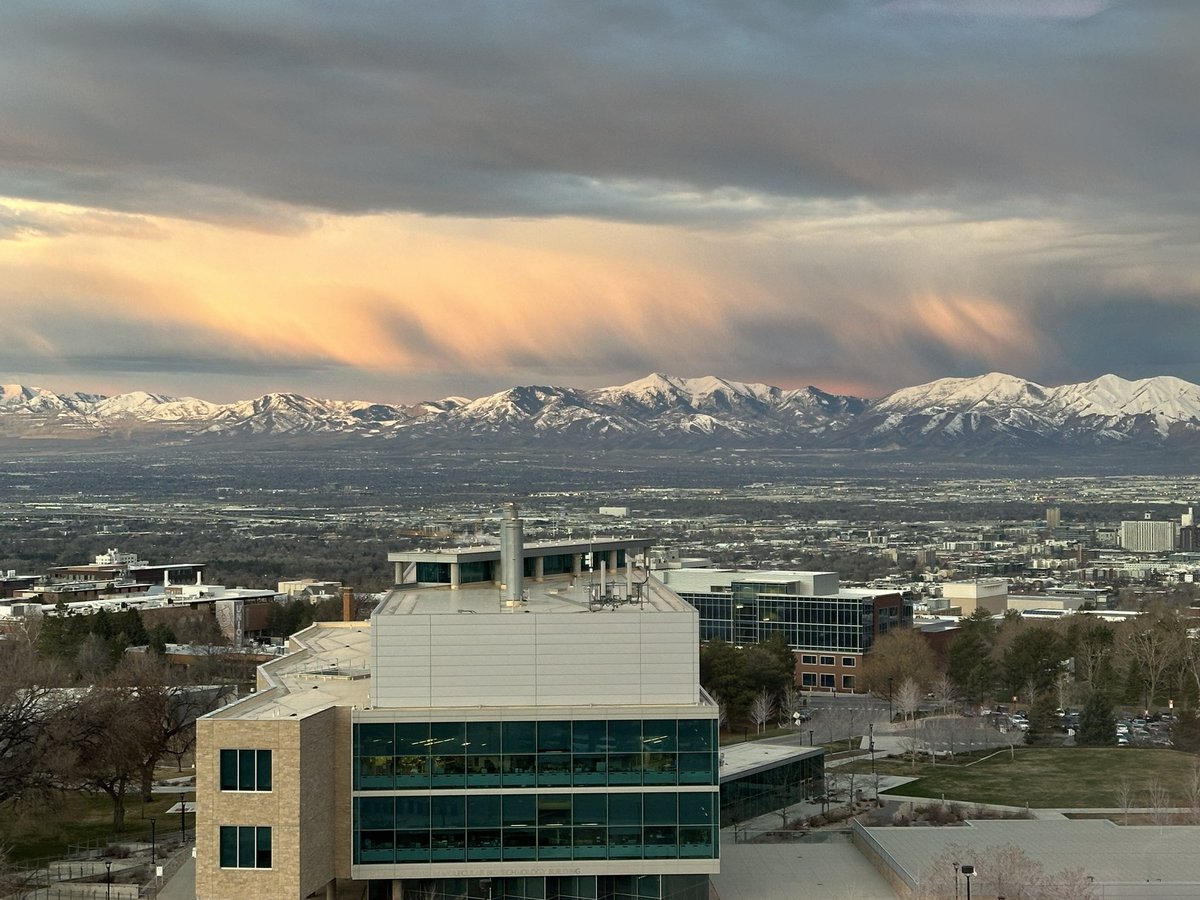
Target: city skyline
x=402 y=203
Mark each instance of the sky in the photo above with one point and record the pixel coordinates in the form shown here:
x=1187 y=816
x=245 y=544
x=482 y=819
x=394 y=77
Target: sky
x=404 y=201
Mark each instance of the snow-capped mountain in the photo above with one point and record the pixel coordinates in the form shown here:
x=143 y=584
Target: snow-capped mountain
x=989 y=412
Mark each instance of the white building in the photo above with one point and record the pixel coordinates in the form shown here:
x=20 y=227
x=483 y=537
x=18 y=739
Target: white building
x=1149 y=536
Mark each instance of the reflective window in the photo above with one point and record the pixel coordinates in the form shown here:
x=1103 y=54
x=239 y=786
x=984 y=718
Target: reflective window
x=246 y=770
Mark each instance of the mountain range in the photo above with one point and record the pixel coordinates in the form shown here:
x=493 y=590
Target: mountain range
x=988 y=413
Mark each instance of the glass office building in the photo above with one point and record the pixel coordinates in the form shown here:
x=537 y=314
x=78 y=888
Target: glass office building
x=465 y=745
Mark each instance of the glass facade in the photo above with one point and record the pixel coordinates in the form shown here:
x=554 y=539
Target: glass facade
x=411 y=828
x=562 y=887
x=758 y=793
x=460 y=791
x=749 y=613
x=490 y=755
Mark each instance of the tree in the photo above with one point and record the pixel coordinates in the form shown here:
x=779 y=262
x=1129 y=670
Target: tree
x=1002 y=871
x=1126 y=793
x=970 y=666
x=163 y=710
x=908 y=701
x=1091 y=642
x=945 y=692
x=898 y=655
x=107 y=741
x=1097 y=725
x=762 y=708
x=1158 y=643
x=34 y=707
x=1043 y=719
x=1035 y=657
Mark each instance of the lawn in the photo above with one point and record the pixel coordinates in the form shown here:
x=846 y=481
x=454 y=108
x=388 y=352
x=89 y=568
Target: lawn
x=76 y=818
x=1070 y=777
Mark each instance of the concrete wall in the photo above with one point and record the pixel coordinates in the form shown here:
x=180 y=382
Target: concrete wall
x=532 y=659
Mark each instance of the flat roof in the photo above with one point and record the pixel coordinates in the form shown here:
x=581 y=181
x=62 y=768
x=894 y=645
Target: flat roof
x=533 y=548
x=329 y=666
x=1156 y=860
x=560 y=594
x=738 y=760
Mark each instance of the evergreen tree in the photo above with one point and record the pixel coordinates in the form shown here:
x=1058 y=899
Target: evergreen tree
x=1097 y=725
x=1043 y=720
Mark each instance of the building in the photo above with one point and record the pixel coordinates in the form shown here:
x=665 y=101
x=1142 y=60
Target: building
x=828 y=627
x=544 y=739
x=462 y=566
x=1053 y=517
x=1148 y=536
x=968 y=597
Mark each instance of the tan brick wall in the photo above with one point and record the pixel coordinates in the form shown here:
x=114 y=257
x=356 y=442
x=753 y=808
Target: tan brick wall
x=309 y=814
x=279 y=808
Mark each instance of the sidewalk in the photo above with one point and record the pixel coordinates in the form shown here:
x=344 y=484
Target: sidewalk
x=182 y=885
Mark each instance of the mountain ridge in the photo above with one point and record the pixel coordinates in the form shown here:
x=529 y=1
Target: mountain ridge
x=990 y=412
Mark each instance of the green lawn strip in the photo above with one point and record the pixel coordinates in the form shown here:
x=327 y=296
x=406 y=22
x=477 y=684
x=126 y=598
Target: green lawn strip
x=73 y=818
x=1059 y=777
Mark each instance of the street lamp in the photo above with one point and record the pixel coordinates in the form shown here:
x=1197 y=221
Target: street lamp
x=955 y=881
x=153 y=845
x=182 y=817
x=810 y=738
x=968 y=873
x=889 y=701
x=108 y=879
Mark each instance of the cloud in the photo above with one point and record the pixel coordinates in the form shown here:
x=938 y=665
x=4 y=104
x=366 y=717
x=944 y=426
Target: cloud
x=417 y=199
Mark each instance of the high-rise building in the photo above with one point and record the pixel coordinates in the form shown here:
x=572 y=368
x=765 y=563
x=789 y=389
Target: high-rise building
x=1053 y=517
x=1148 y=536
x=528 y=739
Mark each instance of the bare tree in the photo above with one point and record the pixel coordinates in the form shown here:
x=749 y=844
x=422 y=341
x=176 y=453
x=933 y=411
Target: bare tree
x=1125 y=793
x=1001 y=871
x=790 y=702
x=945 y=692
x=908 y=701
x=762 y=708
x=33 y=709
x=1158 y=798
x=1158 y=643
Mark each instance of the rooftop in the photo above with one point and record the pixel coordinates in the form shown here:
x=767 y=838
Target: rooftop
x=559 y=594
x=481 y=552
x=743 y=759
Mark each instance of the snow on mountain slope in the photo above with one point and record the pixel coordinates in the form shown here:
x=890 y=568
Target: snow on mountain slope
x=989 y=411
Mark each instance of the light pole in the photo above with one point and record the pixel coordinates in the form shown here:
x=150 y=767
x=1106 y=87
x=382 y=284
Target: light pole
x=955 y=881
x=810 y=738
x=153 y=846
x=968 y=873
x=108 y=879
x=889 y=701
x=182 y=817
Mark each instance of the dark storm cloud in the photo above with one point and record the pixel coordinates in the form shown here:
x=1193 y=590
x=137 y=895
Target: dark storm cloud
x=602 y=109
x=1136 y=336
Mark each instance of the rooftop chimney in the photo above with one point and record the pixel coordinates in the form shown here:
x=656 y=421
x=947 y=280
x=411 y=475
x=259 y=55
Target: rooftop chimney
x=347 y=604
x=512 y=554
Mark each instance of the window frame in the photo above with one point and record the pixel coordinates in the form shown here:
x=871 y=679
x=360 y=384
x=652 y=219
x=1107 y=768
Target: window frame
x=251 y=841
x=242 y=759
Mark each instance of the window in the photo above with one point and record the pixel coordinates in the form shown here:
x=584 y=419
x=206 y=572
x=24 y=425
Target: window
x=808 y=659
x=827 y=681
x=808 y=679
x=245 y=847
x=848 y=662
x=245 y=770
x=827 y=661
x=847 y=682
